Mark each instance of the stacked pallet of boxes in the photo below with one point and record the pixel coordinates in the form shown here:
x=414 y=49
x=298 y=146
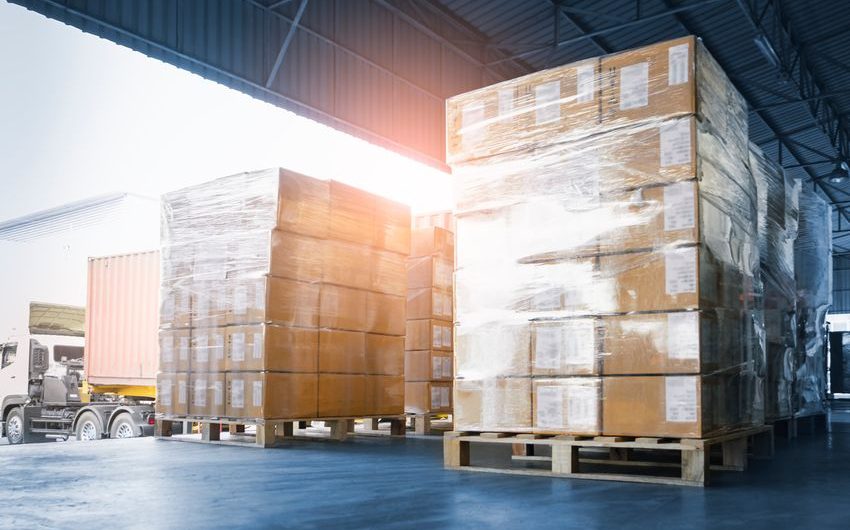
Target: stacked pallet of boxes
x=778 y=198
x=813 y=275
x=606 y=268
x=283 y=297
x=429 y=359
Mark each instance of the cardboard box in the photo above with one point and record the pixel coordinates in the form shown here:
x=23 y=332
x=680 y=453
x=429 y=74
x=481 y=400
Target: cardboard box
x=342 y=308
x=352 y=214
x=565 y=347
x=206 y=394
x=392 y=226
x=429 y=303
x=387 y=394
x=429 y=271
x=297 y=257
x=428 y=365
x=432 y=241
x=208 y=350
x=681 y=406
x=500 y=405
x=388 y=273
x=499 y=349
x=270 y=395
x=270 y=299
x=348 y=264
x=172 y=394
x=427 y=396
x=175 y=348
x=385 y=314
x=342 y=352
x=571 y=405
x=384 y=354
x=344 y=396
x=208 y=303
x=429 y=335
x=261 y=347
x=303 y=205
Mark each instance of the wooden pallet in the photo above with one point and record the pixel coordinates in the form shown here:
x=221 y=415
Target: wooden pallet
x=648 y=460
x=267 y=433
x=429 y=424
x=791 y=428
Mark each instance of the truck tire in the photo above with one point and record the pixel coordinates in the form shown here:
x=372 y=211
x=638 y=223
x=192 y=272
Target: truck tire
x=88 y=427
x=15 y=426
x=123 y=427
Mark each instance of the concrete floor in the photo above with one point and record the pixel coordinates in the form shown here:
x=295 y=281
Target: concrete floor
x=386 y=483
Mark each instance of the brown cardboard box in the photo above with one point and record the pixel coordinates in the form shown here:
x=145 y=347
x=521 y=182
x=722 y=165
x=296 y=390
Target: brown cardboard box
x=429 y=271
x=429 y=303
x=342 y=352
x=500 y=349
x=343 y=396
x=570 y=405
x=208 y=303
x=384 y=354
x=342 y=308
x=206 y=394
x=428 y=335
x=386 y=395
x=565 y=347
x=303 y=205
x=432 y=241
x=689 y=342
x=271 y=395
x=427 y=396
x=352 y=214
x=296 y=257
x=172 y=391
x=261 y=347
x=270 y=299
x=392 y=226
x=428 y=365
x=385 y=314
x=348 y=264
x=442 y=219
x=208 y=350
x=175 y=348
x=501 y=405
x=388 y=273
x=649 y=82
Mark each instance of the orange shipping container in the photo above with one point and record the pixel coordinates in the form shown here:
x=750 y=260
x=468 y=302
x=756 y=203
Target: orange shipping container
x=122 y=319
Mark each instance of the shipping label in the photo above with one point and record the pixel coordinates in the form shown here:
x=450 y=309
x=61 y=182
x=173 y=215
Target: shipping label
x=218 y=393
x=585 y=84
x=183 y=351
x=258 y=345
x=257 y=400
x=634 y=86
x=683 y=335
x=550 y=407
x=217 y=348
x=582 y=407
x=677 y=65
x=506 y=101
x=675 y=143
x=167 y=349
x=200 y=397
x=182 y=393
x=548 y=341
x=202 y=353
x=237 y=393
x=237 y=347
x=547 y=107
x=163 y=392
x=580 y=342
x=240 y=300
x=679 y=208
x=680 y=394
x=680 y=271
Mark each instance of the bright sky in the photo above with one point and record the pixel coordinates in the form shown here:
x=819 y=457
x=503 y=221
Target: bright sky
x=81 y=116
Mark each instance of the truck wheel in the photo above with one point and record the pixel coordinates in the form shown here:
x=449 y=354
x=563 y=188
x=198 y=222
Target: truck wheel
x=15 y=427
x=123 y=427
x=88 y=427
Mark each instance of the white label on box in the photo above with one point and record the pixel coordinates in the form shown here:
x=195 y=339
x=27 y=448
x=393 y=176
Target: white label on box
x=435 y=398
x=258 y=394
x=200 y=392
x=202 y=302
x=547 y=347
x=168 y=307
x=445 y=396
x=237 y=347
x=547 y=300
x=675 y=140
x=167 y=353
x=183 y=352
x=471 y=116
x=582 y=408
x=260 y=296
x=550 y=407
x=218 y=393
x=182 y=393
x=547 y=106
x=436 y=337
x=634 y=86
x=240 y=300
x=680 y=271
x=506 y=101
x=436 y=367
x=680 y=395
x=201 y=349
x=447 y=368
x=443 y=273
x=679 y=206
x=447 y=305
x=237 y=393
x=447 y=336
x=182 y=301
x=258 y=345
x=163 y=393
x=585 y=84
x=217 y=347
x=677 y=65
x=683 y=335
x=580 y=342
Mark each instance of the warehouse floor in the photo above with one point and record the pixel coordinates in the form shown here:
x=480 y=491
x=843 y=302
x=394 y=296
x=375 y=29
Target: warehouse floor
x=386 y=483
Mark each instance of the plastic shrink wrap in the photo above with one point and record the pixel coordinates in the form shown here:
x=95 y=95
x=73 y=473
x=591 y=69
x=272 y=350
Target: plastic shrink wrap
x=607 y=269
x=813 y=273
x=282 y=296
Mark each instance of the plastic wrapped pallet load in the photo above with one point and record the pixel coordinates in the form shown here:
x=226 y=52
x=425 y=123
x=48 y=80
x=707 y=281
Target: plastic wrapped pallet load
x=607 y=269
x=283 y=297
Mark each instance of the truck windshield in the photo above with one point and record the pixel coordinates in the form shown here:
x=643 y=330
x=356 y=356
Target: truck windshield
x=67 y=353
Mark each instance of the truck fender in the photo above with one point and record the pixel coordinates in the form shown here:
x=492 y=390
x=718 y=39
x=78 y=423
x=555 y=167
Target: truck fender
x=10 y=402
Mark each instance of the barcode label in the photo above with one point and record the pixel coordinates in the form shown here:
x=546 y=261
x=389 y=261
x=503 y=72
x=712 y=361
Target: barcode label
x=675 y=140
x=237 y=347
x=677 y=65
x=679 y=206
x=680 y=271
x=506 y=101
x=547 y=106
x=683 y=335
x=634 y=86
x=680 y=394
x=550 y=407
x=585 y=84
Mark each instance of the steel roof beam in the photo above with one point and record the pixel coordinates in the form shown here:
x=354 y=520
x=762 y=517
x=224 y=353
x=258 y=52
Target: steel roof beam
x=284 y=47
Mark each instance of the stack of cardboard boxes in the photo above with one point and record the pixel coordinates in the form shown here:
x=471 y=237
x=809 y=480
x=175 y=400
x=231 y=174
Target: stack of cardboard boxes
x=606 y=250
x=429 y=357
x=283 y=297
